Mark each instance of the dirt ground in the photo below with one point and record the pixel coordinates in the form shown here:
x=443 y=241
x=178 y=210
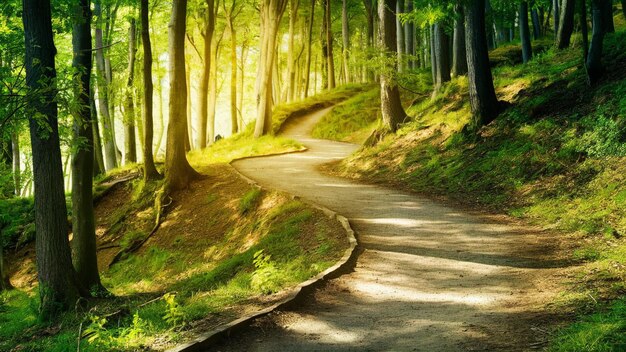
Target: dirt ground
x=430 y=277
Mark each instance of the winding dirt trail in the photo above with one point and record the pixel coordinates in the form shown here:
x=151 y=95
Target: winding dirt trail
x=429 y=278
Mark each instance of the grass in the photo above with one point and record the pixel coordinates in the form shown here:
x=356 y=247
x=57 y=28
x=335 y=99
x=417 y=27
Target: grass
x=556 y=157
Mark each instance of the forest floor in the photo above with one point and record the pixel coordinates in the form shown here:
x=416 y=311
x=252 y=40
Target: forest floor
x=430 y=276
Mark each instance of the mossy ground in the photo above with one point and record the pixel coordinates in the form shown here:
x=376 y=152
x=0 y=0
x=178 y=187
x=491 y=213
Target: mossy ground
x=555 y=157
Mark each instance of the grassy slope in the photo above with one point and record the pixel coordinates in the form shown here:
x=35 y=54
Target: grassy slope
x=242 y=245
x=557 y=157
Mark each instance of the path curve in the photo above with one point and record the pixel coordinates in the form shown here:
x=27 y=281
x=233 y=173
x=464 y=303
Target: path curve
x=430 y=278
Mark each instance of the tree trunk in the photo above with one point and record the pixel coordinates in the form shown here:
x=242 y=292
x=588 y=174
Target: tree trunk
x=345 y=34
x=178 y=172
x=370 y=8
x=390 y=104
x=483 y=101
x=271 y=13
x=215 y=50
x=17 y=173
x=307 y=73
x=557 y=16
x=83 y=223
x=442 y=55
x=293 y=17
x=234 y=127
x=188 y=129
x=607 y=19
x=584 y=30
x=130 y=147
x=329 y=42
x=98 y=166
x=149 y=170
x=409 y=37
x=536 y=22
x=566 y=24
x=400 y=35
x=203 y=91
x=108 y=135
x=244 y=55
x=58 y=284
x=594 y=65
x=459 y=59
x=524 y=32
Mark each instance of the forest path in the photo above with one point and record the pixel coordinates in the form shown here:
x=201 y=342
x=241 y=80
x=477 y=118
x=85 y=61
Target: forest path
x=430 y=277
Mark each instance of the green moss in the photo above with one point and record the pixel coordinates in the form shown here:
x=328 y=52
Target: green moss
x=250 y=200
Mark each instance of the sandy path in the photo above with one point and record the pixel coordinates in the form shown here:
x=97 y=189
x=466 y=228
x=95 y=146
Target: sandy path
x=430 y=278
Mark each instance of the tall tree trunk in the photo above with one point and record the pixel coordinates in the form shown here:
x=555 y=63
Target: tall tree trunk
x=370 y=11
x=130 y=147
x=178 y=172
x=524 y=32
x=345 y=34
x=242 y=78
x=536 y=22
x=390 y=104
x=271 y=13
x=203 y=91
x=98 y=166
x=188 y=130
x=556 y=10
x=215 y=50
x=307 y=74
x=329 y=42
x=83 y=222
x=594 y=65
x=400 y=35
x=566 y=24
x=584 y=30
x=433 y=54
x=108 y=134
x=293 y=17
x=442 y=54
x=409 y=37
x=459 y=59
x=149 y=170
x=483 y=101
x=17 y=173
x=607 y=19
x=234 y=127
x=58 y=284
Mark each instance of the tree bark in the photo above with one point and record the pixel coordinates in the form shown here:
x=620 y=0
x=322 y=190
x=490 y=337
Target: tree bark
x=536 y=22
x=409 y=37
x=557 y=16
x=524 y=32
x=203 y=91
x=459 y=59
x=58 y=284
x=370 y=11
x=566 y=24
x=483 y=101
x=607 y=19
x=17 y=173
x=594 y=65
x=83 y=223
x=130 y=146
x=149 y=170
x=271 y=13
x=178 y=172
x=442 y=54
x=98 y=166
x=329 y=42
x=108 y=134
x=345 y=34
x=293 y=17
x=584 y=29
x=400 y=35
x=307 y=74
x=215 y=50
x=390 y=104
x=234 y=127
